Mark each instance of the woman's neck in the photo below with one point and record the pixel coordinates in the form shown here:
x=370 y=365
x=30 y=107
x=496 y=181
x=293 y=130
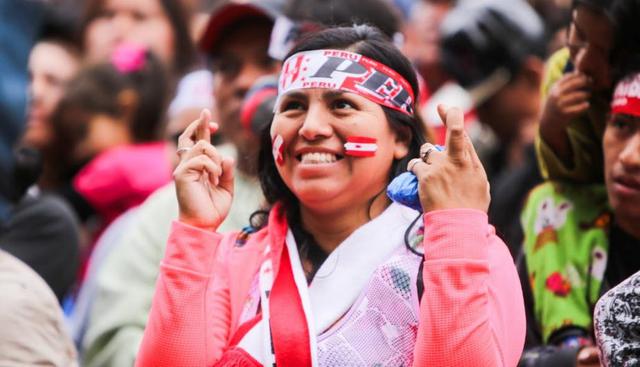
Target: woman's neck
x=330 y=228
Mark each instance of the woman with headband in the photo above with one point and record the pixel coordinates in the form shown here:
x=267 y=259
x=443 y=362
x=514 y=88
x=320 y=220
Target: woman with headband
x=338 y=275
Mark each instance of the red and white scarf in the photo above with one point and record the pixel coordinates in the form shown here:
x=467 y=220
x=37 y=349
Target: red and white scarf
x=298 y=313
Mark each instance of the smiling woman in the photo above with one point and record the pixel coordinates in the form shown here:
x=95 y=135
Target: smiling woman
x=338 y=275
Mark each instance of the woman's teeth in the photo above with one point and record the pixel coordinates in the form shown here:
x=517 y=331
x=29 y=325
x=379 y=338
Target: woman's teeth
x=313 y=158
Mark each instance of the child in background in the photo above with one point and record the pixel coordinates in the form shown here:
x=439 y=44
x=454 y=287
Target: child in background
x=577 y=89
x=108 y=128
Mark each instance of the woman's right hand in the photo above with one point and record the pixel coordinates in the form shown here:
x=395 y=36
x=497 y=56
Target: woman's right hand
x=204 y=179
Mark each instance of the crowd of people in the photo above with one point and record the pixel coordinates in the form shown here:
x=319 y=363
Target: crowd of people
x=320 y=183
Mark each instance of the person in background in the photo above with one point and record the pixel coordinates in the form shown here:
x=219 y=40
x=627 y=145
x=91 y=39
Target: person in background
x=576 y=91
x=582 y=238
x=616 y=313
x=125 y=284
x=495 y=50
x=53 y=62
x=108 y=125
x=166 y=27
x=421 y=46
x=19 y=28
x=160 y=25
x=33 y=332
x=41 y=230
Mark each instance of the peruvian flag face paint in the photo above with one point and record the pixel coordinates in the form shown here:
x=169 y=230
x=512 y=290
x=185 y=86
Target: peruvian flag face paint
x=278 y=149
x=360 y=146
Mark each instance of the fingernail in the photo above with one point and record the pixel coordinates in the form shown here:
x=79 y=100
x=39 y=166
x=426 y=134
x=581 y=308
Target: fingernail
x=584 y=354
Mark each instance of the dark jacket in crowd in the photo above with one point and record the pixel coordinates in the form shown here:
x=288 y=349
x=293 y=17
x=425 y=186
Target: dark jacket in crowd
x=42 y=231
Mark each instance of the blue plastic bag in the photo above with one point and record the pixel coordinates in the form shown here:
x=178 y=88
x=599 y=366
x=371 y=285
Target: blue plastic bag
x=404 y=189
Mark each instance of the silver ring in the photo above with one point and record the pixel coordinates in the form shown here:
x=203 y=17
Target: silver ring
x=182 y=150
x=425 y=155
x=412 y=163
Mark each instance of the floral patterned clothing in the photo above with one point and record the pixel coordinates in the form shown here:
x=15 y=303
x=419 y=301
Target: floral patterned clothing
x=566 y=247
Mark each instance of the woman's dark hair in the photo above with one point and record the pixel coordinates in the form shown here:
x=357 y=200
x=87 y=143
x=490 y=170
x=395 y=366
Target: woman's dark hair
x=98 y=90
x=60 y=25
x=369 y=42
x=345 y=13
x=625 y=58
x=184 y=52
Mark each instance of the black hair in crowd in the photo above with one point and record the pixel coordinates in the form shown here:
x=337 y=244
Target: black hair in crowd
x=369 y=42
x=344 y=13
x=98 y=89
x=60 y=26
x=626 y=54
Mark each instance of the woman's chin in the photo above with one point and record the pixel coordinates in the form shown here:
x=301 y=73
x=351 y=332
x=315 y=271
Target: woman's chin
x=317 y=195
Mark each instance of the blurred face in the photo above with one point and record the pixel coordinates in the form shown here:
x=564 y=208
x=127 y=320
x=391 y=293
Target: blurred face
x=103 y=132
x=514 y=110
x=422 y=40
x=240 y=60
x=51 y=67
x=590 y=39
x=141 y=22
x=621 y=144
x=314 y=125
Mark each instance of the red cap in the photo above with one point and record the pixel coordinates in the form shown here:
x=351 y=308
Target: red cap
x=232 y=12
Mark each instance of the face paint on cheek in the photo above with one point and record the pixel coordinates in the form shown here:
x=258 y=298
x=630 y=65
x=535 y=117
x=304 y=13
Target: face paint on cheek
x=360 y=146
x=278 y=149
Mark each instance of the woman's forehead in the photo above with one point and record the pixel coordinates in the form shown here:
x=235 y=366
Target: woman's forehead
x=325 y=93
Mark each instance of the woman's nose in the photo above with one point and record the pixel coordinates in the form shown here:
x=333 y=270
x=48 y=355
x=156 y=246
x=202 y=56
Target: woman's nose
x=316 y=124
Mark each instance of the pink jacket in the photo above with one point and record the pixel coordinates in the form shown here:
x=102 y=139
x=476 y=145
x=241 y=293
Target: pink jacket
x=471 y=314
x=121 y=178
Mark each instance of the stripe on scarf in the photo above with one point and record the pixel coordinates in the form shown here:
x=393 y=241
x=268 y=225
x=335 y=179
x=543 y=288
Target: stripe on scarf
x=290 y=334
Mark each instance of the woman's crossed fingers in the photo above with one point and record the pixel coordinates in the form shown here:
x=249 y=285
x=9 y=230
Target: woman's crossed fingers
x=453 y=178
x=204 y=179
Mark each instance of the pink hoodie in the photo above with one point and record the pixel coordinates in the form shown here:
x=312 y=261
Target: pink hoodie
x=471 y=314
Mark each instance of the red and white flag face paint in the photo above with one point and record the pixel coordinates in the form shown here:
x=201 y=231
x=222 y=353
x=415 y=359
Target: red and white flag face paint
x=278 y=149
x=360 y=146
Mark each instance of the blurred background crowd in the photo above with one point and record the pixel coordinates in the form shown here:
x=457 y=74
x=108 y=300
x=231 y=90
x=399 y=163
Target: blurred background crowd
x=94 y=93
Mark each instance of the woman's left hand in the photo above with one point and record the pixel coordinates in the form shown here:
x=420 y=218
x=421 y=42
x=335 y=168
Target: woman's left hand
x=455 y=177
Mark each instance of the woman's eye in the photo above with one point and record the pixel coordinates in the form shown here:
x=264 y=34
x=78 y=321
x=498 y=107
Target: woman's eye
x=342 y=104
x=291 y=106
x=106 y=14
x=138 y=16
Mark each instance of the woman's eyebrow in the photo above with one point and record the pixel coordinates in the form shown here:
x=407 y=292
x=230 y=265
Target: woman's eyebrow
x=295 y=95
x=333 y=94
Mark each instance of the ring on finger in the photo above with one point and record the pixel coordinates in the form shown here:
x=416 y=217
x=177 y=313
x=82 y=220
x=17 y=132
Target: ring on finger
x=427 y=153
x=412 y=164
x=181 y=150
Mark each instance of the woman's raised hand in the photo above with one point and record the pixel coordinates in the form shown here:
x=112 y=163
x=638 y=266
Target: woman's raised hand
x=204 y=179
x=453 y=178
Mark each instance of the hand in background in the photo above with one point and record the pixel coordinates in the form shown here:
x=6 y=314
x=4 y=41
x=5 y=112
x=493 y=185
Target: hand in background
x=588 y=357
x=567 y=100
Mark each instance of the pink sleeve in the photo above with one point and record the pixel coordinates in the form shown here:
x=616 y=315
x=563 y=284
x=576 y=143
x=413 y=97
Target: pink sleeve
x=472 y=310
x=190 y=315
